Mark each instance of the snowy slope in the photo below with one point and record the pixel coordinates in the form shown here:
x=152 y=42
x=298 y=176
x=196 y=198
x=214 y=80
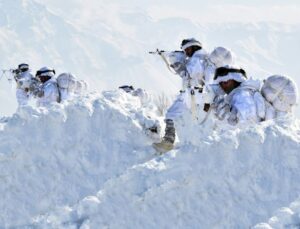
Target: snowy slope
x=57 y=157
x=230 y=179
x=98 y=172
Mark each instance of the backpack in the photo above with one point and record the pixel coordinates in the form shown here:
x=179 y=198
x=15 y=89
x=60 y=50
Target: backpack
x=66 y=83
x=281 y=92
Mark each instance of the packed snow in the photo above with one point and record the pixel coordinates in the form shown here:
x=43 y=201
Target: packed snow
x=285 y=217
x=90 y=164
x=56 y=157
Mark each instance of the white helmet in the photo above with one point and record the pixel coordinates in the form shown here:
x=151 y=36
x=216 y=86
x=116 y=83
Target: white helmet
x=230 y=72
x=221 y=56
x=23 y=67
x=186 y=43
x=45 y=71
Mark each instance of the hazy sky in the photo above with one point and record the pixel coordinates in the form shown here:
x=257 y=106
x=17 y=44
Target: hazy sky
x=203 y=11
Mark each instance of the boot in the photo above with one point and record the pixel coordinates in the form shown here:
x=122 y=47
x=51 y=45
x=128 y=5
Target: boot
x=168 y=140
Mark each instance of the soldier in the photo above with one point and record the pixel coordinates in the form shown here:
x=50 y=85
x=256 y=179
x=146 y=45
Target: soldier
x=25 y=81
x=48 y=91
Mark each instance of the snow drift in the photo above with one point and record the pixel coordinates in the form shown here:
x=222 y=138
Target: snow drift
x=58 y=156
x=230 y=179
x=89 y=164
x=285 y=217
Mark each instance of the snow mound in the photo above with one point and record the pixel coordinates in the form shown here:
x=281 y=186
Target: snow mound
x=286 y=217
x=230 y=178
x=57 y=156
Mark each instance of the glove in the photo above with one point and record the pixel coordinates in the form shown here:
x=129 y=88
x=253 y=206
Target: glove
x=37 y=91
x=222 y=109
x=178 y=67
x=233 y=117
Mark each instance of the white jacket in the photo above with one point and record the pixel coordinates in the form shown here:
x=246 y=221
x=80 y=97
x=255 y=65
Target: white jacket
x=243 y=104
x=24 y=79
x=49 y=93
x=193 y=76
x=22 y=97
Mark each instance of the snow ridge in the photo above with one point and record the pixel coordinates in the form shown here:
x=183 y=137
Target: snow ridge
x=89 y=164
x=286 y=217
x=231 y=178
x=57 y=156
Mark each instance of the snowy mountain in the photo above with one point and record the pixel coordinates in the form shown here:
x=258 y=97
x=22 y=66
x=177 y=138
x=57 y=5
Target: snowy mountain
x=89 y=164
x=107 y=44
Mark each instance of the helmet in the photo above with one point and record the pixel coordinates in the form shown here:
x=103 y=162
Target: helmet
x=127 y=88
x=186 y=43
x=221 y=56
x=45 y=71
x=23 y=67
x=227 y=72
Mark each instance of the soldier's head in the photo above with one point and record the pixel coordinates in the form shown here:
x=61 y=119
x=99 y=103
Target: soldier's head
x=23 y=67
x=45 y=74
x=229 y=78
x=190 y=46
x=127 y=88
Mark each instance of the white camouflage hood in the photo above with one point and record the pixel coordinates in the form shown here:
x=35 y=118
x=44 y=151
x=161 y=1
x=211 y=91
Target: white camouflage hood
x=239 y=77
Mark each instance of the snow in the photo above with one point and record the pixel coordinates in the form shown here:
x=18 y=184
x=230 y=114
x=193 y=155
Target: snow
x=56 y=157
x=89 y=163
x=285 y=217
x=101 y=171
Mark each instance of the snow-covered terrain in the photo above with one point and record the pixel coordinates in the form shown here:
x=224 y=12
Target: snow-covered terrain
x=57 y=157
x=89 y=164
x=285 y=217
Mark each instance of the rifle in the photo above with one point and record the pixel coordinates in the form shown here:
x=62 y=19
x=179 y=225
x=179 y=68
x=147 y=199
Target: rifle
x=10 y=71
x=163 y=55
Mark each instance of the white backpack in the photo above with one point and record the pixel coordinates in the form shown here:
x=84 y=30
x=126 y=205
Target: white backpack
x=81 y=87
x=66 y=83
x=281 y=92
